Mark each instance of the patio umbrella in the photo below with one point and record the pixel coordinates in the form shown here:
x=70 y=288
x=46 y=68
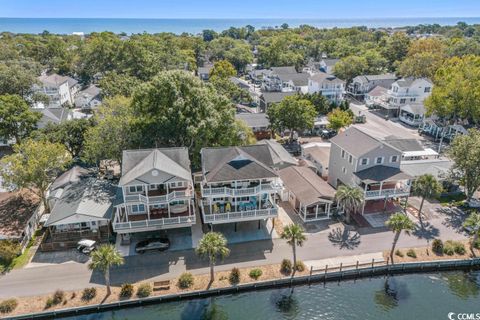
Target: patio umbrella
x=215 y=208
x=228 y=207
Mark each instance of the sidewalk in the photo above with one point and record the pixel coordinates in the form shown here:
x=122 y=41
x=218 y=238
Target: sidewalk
x=345 y=260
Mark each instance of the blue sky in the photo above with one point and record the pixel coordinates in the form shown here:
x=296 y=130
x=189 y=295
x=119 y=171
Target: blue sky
x=330 y=9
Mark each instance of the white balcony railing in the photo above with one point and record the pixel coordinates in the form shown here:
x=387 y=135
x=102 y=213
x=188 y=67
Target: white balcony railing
x=377 y=194
x=154 y=224
x=238 y=216
x=157 y=199
x=226 y=191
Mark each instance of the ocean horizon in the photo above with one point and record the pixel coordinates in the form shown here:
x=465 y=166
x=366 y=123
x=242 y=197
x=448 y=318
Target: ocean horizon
x=194 y=26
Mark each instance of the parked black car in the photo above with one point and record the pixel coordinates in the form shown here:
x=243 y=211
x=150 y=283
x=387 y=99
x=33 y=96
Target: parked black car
x=327 y=133
x=160 y=244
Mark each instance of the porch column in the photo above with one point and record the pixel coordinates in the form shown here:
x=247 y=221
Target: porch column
x=316 y=211
x=328 y=207
x=126 y=212
x=210 y=200
x=260 y=201
x=381 y=186
x=189 y=208
x=168 y=209
x=363 y=206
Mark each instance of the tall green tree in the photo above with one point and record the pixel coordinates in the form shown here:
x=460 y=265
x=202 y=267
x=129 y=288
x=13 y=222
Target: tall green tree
x=396 y=47
x=222 y=70
x=350 y=67
x=212 y=246
x=473 y=223
x=338 y=119
x=293 y=113
x=103 y=259
x=294 y=235
x=465 y=153
x=113 y=132
x=178 y=109
x=34 y=165
x=424 y=57
x=350 y=198
x=398 y=222
x=16 y=118
x=426 y=187
x=16 y=78
x=456 y=91
x=69 y=133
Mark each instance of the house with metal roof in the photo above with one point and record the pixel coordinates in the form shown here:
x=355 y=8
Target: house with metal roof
x=241 y=183
x=81 y=207
x=373 y=165
x=310 y=196
x=156 y=191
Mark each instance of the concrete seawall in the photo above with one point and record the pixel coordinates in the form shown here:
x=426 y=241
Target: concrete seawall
x=357 y=273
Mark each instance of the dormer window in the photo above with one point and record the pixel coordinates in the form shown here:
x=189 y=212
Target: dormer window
x=427 y=89
x=394 y=159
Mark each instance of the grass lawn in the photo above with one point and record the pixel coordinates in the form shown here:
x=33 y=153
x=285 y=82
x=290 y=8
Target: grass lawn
x=24 y=258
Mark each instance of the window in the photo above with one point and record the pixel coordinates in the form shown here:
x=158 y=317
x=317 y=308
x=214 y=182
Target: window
x=394 y=159
x=402 y=101
x=413 y=99
x=153 y=187
x=344 y=170
x=379 y=160
x=343 y=154
x=136 y=188
x=136 y=208
x=350 y=159
x=364 y=161
x=427 y=89
x=180 y=184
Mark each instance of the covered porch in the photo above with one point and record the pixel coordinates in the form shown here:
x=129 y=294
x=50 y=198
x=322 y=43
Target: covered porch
x=412 y=114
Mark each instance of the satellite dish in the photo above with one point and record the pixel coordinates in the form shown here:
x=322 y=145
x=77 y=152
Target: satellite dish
x=155 y=173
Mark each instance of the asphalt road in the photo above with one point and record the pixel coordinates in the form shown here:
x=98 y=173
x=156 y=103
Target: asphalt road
x=327 y=244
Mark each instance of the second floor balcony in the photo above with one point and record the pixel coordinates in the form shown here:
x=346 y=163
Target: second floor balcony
x=158 y=196
x=156 y=219
x=238 y=191
x=217 y=213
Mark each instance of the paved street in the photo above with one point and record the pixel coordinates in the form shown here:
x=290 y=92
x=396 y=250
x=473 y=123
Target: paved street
x=333 y=242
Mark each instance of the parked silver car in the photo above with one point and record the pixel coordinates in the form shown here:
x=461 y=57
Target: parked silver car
x=160 y=244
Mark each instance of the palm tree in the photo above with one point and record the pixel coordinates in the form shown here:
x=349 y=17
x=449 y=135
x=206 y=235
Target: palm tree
x=294 y=235
x=427 y=187
x=349 y=198
x=103 y=259
x=211 y=246
x=399 y=222
x=473 y=223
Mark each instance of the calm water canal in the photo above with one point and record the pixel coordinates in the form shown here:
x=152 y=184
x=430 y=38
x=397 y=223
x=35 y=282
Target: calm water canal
x=419 y=296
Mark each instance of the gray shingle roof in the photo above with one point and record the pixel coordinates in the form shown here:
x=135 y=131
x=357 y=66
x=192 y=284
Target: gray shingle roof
x=55 y=80
x=298 y=79
x=404 y=145
x=254 y=120
x=283 y=70
x=330 y=62
x=275 y=97
x=52 y=115
x=307 y=186
x=322 y=77
x=83 y=200
x=68 y=177
x=375 y=77
x=356 y=142
x=173 y=161
x=378 y=91
x=234 y=163
x=244 y=163
x=381 y=173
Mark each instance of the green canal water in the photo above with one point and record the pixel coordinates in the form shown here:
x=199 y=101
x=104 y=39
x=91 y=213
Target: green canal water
x=417 y=296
